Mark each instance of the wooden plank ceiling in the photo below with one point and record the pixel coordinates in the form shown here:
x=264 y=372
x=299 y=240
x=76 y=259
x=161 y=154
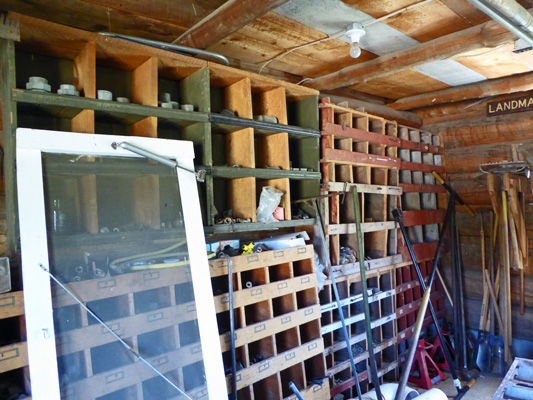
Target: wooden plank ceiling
x=253 y=32
x=256 y=35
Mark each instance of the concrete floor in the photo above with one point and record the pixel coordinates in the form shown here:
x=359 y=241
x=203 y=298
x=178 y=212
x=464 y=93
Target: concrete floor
x=484 y=388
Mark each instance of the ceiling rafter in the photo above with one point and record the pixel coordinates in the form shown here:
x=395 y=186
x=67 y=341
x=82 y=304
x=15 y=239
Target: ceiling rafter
x=225 y=20
x=478 y=90
x=489 y=34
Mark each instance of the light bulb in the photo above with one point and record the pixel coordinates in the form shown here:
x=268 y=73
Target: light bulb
x=355 y=51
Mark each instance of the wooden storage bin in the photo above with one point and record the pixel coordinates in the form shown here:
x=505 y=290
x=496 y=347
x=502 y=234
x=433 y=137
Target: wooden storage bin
x=277 y=317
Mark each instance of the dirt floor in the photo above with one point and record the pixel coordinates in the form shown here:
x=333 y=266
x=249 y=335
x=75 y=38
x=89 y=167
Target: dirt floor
x=484 y=388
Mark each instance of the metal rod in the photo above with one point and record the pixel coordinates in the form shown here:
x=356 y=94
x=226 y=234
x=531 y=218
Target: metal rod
x=148 y=154
x=447 y=221
x=337 y=296
x=101 y=322
x=400 y=392
x=152 y=156
x=368 y=326
x=460 y=294
x=232 y=331
x=167 y=46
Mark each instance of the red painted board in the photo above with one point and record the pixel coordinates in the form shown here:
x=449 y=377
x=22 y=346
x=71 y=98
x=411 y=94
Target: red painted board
x=415 y=188
x=424 y=217
x=422 y=251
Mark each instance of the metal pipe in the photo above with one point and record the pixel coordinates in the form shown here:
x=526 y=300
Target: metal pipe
x=145 y=153
x=459 y=267
x=232 y=331
x=148 y=154
x=414 y=344
x=167 y=46
x=510 y=14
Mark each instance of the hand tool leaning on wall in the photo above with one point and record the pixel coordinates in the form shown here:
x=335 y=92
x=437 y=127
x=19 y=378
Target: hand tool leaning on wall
x=426 y=302
x=232 y=328
x=320 y=228
x=368 y=326
x=459 y=310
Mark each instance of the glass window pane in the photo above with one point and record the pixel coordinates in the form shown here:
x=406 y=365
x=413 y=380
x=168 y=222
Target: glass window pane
x=117 y=240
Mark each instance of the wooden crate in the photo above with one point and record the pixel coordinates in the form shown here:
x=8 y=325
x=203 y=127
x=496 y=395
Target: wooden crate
x=277 y=316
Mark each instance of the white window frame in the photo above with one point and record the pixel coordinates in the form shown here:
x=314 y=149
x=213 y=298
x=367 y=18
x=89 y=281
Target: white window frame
x=41 y=341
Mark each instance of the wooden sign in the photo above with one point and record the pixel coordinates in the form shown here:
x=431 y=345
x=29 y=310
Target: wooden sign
x=510 y=106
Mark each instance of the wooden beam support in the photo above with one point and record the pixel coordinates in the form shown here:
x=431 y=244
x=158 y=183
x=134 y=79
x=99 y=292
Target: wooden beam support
x=514 y=128
x=493 y=87
x=489 y=34
x=225 y=20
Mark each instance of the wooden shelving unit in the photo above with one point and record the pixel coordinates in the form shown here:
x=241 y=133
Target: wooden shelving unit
x=278 y=334
x=250 y=154
x=391 y=167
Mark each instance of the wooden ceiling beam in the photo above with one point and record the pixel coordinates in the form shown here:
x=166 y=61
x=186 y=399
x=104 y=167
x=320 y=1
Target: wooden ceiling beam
x=225 y=20
x=461 y=109
x=489 y=34
x=478 y=90
x=94 y=18
x=506 y=119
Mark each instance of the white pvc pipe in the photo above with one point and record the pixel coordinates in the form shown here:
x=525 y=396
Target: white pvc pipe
x=388 y=391
x=432 y=394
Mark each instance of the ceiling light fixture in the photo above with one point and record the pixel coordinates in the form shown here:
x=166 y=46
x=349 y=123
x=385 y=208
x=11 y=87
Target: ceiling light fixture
x=355 y=32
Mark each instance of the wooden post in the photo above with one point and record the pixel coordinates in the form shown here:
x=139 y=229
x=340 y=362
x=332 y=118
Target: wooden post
x=9 y=121
x=240 y=151
x=274 y=149
x=146 y=189
x=85 y=81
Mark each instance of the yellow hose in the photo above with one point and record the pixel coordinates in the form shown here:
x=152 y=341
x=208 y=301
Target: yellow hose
x=113 y=264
